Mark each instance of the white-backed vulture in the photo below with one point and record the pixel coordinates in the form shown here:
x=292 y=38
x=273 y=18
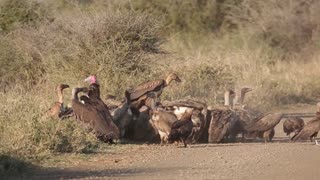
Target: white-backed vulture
x=93 y=118
x=162 y=121
x=222 y=119
x=244 y=116
x=122 y=115
x=181 y=129
x=59 y=110
x=139 y=94
x=253 y=124
x=240 y=95
x=141 y=129
x=198 y=117
x=293 y=125
x=311 y=129
x=265 y=124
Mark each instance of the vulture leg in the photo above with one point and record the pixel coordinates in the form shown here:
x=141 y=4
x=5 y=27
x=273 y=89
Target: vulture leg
x=313 y=136
x=184 y=142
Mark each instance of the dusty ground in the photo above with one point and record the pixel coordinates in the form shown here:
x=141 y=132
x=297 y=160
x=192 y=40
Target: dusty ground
x=280 y=159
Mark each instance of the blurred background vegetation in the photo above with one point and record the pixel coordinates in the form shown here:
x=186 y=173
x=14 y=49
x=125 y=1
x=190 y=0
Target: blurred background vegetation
x=271 y=46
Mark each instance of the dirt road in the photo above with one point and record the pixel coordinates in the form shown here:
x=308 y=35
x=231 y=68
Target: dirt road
x=280 y=159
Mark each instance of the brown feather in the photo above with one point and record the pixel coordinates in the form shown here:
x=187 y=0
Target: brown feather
x=309 y=130
x=144 y=88
x=221 y=122
x=265 y=122
x=293 y=124
x=95 y=117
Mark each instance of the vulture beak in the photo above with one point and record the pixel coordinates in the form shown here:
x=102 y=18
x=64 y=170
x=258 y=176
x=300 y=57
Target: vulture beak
x=249 y=89
x=65 y=86
x=88 y=79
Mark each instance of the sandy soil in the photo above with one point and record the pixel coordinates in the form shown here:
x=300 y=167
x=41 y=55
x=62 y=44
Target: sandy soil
x=280 y=159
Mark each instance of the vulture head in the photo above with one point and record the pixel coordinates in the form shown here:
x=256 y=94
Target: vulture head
x=245 y=90
x=91 y=79
x=172 y=77
x=61 y=87
x=75 y=92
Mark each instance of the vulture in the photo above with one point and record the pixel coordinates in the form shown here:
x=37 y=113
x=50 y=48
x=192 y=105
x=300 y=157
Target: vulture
x=240 y=95
x=94 y=96
x=59 y=110
x=244 y=116
x=161 y=119
x=199 y=113
x=122 y=115
x=311 y=129
x=141 y=129
x=139 y=94
x=265 y=125
x=221 y=119
x=94 y=118
x=249 y=123
x=293 y=125
x=181 y=129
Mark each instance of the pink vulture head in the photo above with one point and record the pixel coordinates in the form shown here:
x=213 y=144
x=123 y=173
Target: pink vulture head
x=91 y=79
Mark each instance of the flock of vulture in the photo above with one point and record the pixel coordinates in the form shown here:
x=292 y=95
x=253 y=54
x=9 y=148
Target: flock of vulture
x=141 y=117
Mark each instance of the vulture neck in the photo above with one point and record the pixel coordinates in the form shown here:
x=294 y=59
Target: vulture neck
x=239 y=98
x=167 y=81
x=60 y=95
x=227 y=99
x=75 y=95
x=94 y=91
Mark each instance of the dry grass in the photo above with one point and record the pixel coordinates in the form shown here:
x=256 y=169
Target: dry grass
x=125 y=48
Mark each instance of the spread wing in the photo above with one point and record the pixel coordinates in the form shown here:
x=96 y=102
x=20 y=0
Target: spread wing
x=146 y=87
x=265 y=122
x=308 y=130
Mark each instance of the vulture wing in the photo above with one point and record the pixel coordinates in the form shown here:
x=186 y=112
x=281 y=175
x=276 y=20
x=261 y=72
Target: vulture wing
x=54 y=110
x=146 y=87
x=265 y=122
x=221 y=121
x=93 y=120
x=308 y=130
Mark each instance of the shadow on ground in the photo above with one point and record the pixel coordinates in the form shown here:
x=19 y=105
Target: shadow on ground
x=75 y=174
x=12 y=167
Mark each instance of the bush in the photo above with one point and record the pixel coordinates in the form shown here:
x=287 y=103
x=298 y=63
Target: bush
x=18 y=12
x=19 y=65
x=284 y=24
x=205 y=82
